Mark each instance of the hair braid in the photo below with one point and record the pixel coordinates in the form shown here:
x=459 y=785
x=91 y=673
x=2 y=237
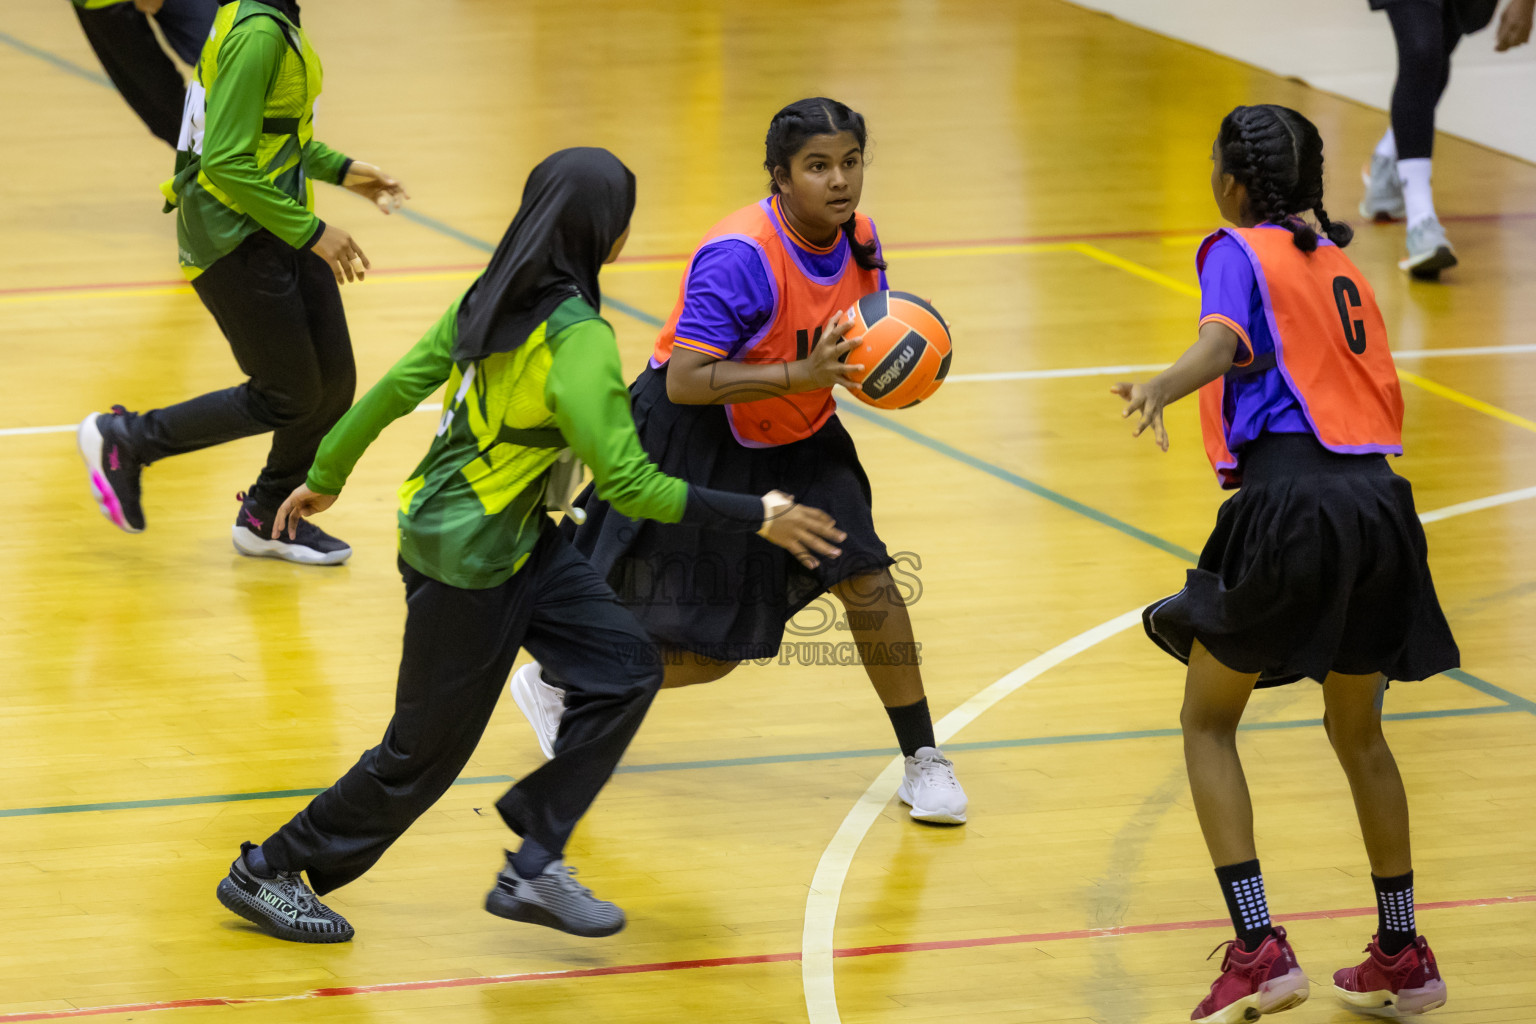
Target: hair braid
x=1277 y=154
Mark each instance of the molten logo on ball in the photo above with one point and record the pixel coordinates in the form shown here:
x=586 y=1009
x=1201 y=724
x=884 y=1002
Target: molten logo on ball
x=904 y=346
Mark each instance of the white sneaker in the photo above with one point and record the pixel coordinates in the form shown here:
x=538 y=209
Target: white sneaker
x=931 y=789
x=1429 y=251
x=1383 y=199
x=540 y=703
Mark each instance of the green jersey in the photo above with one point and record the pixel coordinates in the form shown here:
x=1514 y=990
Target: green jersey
x=471 y=511
x=247 y=154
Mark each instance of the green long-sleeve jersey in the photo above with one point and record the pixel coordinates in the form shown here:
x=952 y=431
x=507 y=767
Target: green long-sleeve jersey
x=247 y=152
x=472 y=509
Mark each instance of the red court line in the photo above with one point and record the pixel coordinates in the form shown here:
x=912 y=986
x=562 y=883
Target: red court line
x=729 y=961
x=1090 y=236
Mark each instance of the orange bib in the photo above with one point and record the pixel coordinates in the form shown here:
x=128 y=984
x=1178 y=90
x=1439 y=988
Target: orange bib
x=802 y=305
x=1330 y=346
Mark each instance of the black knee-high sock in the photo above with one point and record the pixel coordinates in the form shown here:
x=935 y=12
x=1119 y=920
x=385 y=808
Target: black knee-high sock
x=913 y=725
x=1243 y=886
x=1395 y=926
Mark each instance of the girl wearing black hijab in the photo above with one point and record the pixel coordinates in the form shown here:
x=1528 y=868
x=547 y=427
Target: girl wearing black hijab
x=531 y=369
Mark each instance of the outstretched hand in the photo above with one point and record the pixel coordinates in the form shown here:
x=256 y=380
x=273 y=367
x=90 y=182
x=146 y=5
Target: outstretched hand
x=298 y=506
x=1515 y=25
x=1149 y=402
x=372 y=183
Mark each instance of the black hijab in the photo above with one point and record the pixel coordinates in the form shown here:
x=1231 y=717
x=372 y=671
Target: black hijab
x=290 y=8
x=576 y=204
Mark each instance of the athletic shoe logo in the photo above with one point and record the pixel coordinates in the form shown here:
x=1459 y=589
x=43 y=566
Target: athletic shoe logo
x=279 y=904
x=250 y=518
x=113 y=462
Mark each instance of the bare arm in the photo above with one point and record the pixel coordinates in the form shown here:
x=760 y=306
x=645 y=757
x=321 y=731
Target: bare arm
x=1208 y=358
x=694 y=378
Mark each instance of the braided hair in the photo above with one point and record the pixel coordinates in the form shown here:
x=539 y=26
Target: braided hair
x=788 y=133
x=1277 y=154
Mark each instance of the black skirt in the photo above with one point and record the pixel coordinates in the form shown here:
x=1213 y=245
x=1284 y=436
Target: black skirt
x=1317 y=564
x=727 y=596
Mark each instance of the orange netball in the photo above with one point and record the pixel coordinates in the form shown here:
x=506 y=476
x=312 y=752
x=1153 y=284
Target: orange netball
x=904 y=346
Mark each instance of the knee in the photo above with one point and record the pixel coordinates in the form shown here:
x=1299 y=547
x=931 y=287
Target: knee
x=1201 y=723
x=292 y=401
x=1421 y=57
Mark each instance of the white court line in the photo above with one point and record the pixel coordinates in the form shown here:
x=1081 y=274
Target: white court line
x=70 y=428
x=1106 y=371
x=1477 y=505
x=816 y=944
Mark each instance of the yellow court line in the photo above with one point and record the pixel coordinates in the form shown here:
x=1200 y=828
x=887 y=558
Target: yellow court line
x=1477 y=404
x=1093 y=252
x=1424 y=383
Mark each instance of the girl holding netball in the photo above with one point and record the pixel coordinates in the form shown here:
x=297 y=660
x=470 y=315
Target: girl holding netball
x=1317 y=567
x=738 y=393
x=531 y=369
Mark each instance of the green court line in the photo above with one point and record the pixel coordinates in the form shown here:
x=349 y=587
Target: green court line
x=741 y=762
x=57 y=61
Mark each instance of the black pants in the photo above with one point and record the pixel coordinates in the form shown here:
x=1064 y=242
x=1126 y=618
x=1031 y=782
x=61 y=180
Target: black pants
x=131 y=55
x=281 y=311
x=459 y=647
x=1426 y=34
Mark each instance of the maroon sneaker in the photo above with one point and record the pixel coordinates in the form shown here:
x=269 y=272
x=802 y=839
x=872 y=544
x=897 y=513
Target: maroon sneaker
x=1391 y=986
x=1267 y=980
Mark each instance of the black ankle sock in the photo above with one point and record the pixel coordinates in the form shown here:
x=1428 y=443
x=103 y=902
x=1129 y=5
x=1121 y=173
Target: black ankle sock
x=257 y=862
x=1243 y=886
x=914 y=727
x=1395 y=927
x=532 y=858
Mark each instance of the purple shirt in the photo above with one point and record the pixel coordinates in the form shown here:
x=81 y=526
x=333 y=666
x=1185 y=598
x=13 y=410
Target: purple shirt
x=1257 y=399
x=728 y=297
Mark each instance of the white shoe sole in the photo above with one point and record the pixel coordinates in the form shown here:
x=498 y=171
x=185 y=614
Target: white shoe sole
x=1393 y=1005
x=525 y=694
x=920 y=814
x=89 y=440
x=252 y=546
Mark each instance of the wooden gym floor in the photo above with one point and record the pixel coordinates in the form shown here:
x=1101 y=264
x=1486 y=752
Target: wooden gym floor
x=1041 y=173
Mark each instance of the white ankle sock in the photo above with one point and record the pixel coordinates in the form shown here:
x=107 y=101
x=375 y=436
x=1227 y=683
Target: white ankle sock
x=1417 y=197
x=1387 y=147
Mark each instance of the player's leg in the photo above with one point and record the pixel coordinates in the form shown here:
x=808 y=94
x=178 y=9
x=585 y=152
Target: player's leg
x=131 y=55
x=457 y=648
x=329 y=374
x=1399 y=972
x=1423 y=68
x=1259 y=973
x=610 y=672
x=877 y=617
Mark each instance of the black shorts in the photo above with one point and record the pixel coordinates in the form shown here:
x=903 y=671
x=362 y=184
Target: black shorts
x=1317 y=564
x=721 y=595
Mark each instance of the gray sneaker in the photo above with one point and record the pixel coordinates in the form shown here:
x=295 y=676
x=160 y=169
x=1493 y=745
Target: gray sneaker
x=1383 y=191
x=1429 y=251
x=282 y=906
x=555 y=899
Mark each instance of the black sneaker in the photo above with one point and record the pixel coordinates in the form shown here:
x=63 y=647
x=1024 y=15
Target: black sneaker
x=114 y=471
x=310 y=545
x=555 y=900
x=282 y=906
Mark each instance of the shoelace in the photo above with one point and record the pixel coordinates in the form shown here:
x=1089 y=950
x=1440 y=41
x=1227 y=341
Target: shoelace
x=294 y=889
x=567 y=881
x=939 y=771
x=1226 y=959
